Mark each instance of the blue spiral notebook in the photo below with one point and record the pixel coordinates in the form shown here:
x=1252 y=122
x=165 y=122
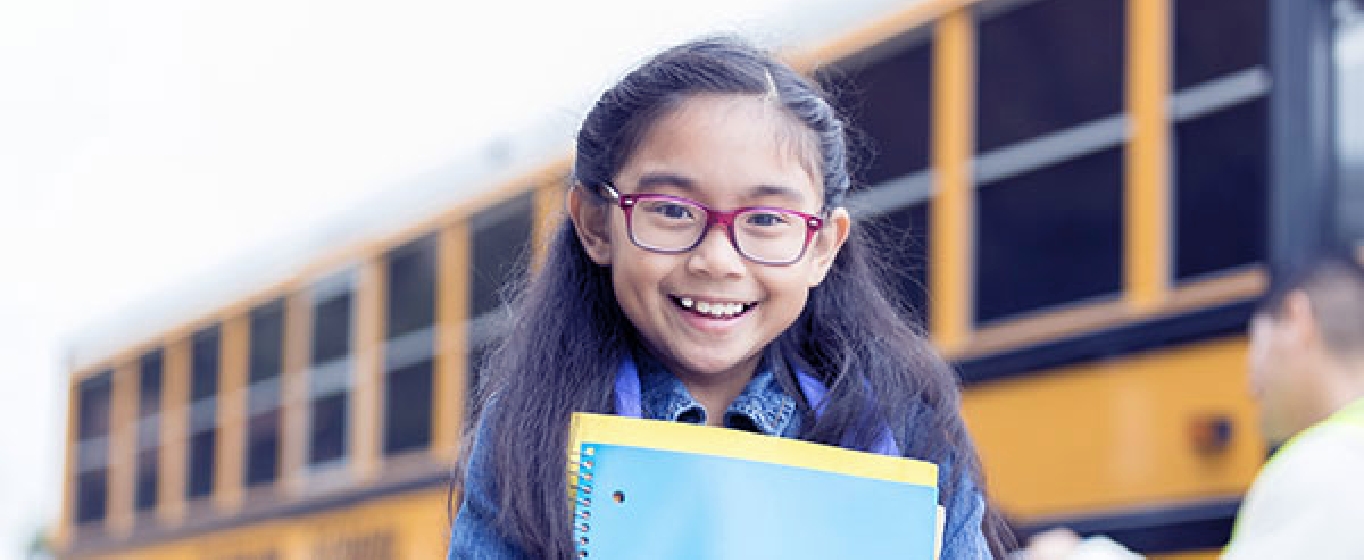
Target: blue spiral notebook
x=661 y=490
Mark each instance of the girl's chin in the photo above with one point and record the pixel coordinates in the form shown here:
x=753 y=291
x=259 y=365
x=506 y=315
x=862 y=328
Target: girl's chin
x=715 y=368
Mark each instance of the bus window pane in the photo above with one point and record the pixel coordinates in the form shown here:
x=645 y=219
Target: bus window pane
x=328 y=419
x=262 y=448
x=92 y=496
x=407 y=406
x=94 y=394
x=204 y=364
x=1050 y=237
x=1350 y=120
x=92 y=423
x=201 y=462
x=1220 y=193
x=148 y=470
x=331 y=328
x=886 y=98
x=1048 y=65
x=501 y=238
x=148 y=440
x=267 y=341
x=1217 y=37
x=149 y=383
x=411 y=298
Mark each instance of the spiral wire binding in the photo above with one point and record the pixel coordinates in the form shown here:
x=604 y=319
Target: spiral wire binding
x=582 y=502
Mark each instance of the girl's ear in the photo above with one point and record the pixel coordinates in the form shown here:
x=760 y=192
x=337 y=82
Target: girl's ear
x=590 y=221
x=827 y=243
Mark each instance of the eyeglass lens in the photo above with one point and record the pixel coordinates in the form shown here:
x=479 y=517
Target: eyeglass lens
x=762 y=235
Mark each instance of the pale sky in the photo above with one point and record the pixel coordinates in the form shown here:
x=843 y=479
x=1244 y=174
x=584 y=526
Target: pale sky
x=145 y=144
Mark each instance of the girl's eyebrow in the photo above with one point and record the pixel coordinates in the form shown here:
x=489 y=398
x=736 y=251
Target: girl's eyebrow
x=782 y=191
x=651 y=180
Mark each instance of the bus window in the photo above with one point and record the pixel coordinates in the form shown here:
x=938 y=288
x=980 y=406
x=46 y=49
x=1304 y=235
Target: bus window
x=1350 y=118
x=1219 y=111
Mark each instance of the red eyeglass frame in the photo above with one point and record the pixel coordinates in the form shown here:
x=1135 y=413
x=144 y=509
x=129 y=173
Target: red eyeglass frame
x=627 y=203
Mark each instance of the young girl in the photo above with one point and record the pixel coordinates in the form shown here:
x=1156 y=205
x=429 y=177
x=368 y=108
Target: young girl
x=708 y=274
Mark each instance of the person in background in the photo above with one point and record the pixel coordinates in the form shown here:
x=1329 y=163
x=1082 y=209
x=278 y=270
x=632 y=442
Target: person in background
x=1306 y=365
x=1307 y=371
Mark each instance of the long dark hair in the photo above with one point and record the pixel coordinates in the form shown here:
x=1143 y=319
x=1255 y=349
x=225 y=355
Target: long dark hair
x=567 y=333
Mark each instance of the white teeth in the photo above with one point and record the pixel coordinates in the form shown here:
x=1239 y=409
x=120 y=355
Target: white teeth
x=712 y=309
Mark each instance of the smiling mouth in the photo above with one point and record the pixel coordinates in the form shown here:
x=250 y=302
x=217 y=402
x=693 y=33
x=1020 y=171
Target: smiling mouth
x=712 y=310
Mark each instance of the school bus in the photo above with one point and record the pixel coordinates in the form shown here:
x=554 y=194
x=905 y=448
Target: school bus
x=1084 y=198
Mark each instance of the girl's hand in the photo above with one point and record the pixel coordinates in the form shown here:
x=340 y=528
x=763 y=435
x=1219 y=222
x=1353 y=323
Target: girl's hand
x=1064 y=544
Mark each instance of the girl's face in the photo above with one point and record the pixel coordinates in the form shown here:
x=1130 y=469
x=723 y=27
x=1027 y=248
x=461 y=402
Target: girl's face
x=725 y=152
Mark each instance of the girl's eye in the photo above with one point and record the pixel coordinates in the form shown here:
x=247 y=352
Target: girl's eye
x=765 y=219
x=672 y=210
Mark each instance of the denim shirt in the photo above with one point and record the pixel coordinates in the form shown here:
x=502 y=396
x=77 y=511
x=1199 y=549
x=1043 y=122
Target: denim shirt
x=763 y=407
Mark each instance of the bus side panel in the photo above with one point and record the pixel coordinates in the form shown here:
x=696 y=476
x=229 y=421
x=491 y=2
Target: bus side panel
x=413 y=525
x=1118 y=433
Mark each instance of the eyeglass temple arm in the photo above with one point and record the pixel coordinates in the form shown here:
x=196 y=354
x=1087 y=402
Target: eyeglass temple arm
x=610 y=192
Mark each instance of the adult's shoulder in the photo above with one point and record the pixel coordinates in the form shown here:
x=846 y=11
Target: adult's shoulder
x=1306 y=501
x=1325 y=456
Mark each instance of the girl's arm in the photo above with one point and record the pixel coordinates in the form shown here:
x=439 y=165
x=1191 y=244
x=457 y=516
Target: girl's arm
x=475 y=535
x=963 y=537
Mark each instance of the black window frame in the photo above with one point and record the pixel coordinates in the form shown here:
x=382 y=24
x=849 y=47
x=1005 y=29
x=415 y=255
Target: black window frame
x=146 y=481
x=265 y=348
x=409 y=346
x=492 y=265
x=201 y=442
x=998 y=283
x=94 y=401
x=1051 y=104
x=412 y=271
x=512 y=218
x=885 y=96
x=331 y=370
x=1216 y=85
x=1073 y=128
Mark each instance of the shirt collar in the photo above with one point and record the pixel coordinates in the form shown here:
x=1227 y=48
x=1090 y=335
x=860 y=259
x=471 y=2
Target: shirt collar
x=762 y=407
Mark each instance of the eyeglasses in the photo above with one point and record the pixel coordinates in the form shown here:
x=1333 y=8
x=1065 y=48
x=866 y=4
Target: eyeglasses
x=672 y=224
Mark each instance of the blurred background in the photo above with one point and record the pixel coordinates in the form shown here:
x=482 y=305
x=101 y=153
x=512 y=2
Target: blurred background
x=234 y=234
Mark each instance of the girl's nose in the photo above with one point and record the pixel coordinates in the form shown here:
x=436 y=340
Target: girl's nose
x=716 y=255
